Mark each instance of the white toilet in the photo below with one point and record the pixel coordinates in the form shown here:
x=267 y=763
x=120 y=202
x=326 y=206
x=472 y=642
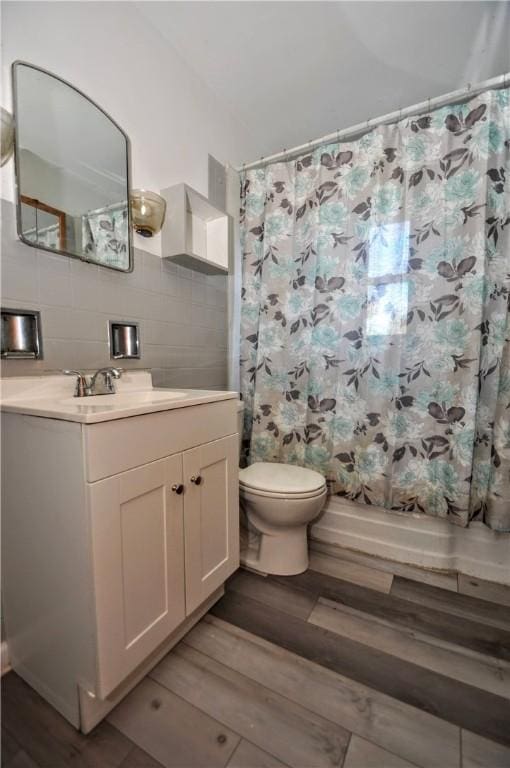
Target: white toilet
x=280 y=501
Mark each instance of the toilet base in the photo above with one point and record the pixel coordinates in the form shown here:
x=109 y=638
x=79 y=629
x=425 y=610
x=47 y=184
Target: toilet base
x=279 y=554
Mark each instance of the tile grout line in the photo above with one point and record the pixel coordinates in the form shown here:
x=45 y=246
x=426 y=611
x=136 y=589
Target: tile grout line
x=314 y=606
x=349 y=742
x=329 y=592
x=468 y=607
x=231 y=757
x=299 y=704
x=496 y=663
x=389 y=751
x=189 y=704
x=261 y=685
x=221 y=722
x=402 y=626
x=243 y=738
x=351 y=731
x=371 y=572
x=134 y=748
x=367 y=684
x=254 y=682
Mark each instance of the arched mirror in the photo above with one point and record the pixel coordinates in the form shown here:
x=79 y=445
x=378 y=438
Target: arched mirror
x=72 y=171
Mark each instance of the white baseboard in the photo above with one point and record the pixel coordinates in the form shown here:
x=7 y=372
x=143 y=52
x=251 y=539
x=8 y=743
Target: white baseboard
x=416 y=539
x=5 y=665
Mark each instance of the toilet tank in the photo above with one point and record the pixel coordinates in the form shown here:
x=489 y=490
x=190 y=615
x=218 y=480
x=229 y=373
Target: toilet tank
x=240 y=421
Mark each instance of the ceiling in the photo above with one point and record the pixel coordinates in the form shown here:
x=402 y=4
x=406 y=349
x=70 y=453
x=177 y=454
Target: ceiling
x=293 y=71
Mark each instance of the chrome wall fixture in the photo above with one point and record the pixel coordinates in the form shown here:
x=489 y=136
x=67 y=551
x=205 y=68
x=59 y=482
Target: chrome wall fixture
x=21 y=334
x=124 y=338
x=147 y=212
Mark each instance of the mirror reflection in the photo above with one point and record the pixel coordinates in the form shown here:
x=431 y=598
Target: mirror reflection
x=72 y=171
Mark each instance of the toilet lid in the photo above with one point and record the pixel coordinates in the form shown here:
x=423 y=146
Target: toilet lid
x=280 y=478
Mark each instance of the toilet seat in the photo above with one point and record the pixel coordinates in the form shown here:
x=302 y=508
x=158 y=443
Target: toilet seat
x=243 y=488
x=281 y=480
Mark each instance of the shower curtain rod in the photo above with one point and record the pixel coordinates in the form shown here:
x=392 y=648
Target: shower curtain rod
x=355 y=131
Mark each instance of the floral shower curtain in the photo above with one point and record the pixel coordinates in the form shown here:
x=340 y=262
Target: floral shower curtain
x=105 y=235
x=375 y=338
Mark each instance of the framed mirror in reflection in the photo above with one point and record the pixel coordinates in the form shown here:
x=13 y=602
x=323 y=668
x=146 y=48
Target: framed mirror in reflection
x=72 y=171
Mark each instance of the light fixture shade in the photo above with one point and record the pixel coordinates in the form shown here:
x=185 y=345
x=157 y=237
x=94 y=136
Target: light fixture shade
x=147 y=212
x=7 y=136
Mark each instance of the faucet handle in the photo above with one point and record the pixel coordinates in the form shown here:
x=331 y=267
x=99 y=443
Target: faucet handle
x=113 y=371
x=81 y=382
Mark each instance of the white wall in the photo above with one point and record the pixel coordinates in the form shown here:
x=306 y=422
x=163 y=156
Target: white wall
x=295 y=71
x=114 y=54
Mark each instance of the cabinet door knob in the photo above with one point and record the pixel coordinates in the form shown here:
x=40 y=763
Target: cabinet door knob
x=196 y=479
x=178 y=488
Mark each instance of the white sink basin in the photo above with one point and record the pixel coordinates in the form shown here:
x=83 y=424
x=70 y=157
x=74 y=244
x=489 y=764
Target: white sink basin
x=51 y=397
x=125 y=398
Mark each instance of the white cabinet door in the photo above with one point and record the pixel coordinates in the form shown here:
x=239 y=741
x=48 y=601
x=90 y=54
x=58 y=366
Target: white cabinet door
x=138 y=564
x=211 y=517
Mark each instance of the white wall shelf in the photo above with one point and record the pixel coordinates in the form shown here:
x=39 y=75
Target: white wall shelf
x=196 y=233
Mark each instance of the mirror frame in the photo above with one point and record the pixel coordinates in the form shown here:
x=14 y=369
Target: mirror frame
x=130 y=267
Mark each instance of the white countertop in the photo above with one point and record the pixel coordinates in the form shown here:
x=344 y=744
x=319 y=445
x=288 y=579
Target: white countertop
x=52 y=397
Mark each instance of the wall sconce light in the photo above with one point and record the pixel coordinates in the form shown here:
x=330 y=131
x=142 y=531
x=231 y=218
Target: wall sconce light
x=147 y=212
x=7 y=136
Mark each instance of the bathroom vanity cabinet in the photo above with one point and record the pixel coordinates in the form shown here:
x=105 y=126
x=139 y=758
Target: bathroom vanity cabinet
x=117 y=537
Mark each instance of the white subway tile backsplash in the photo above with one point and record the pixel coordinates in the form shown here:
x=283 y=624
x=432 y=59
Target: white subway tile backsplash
x=170 y=283
x=198 y=293
x=177 y=311
x=91 y=354
x=60 y=323
x=54 y=275
x=168 y=334
x=135 y=303
x=19 y=276
x=58 y=354
x=182 y=314
x=151 y=276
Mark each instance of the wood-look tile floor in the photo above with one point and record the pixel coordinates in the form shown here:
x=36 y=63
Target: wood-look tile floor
x=358 y=662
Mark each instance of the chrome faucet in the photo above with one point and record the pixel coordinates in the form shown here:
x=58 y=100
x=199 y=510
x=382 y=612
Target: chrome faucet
x=106 y=385
x=88 y=386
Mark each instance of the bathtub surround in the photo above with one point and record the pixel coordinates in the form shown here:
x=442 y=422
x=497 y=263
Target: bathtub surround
x=182 y=314
x=375 y=338
x=420 y=540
